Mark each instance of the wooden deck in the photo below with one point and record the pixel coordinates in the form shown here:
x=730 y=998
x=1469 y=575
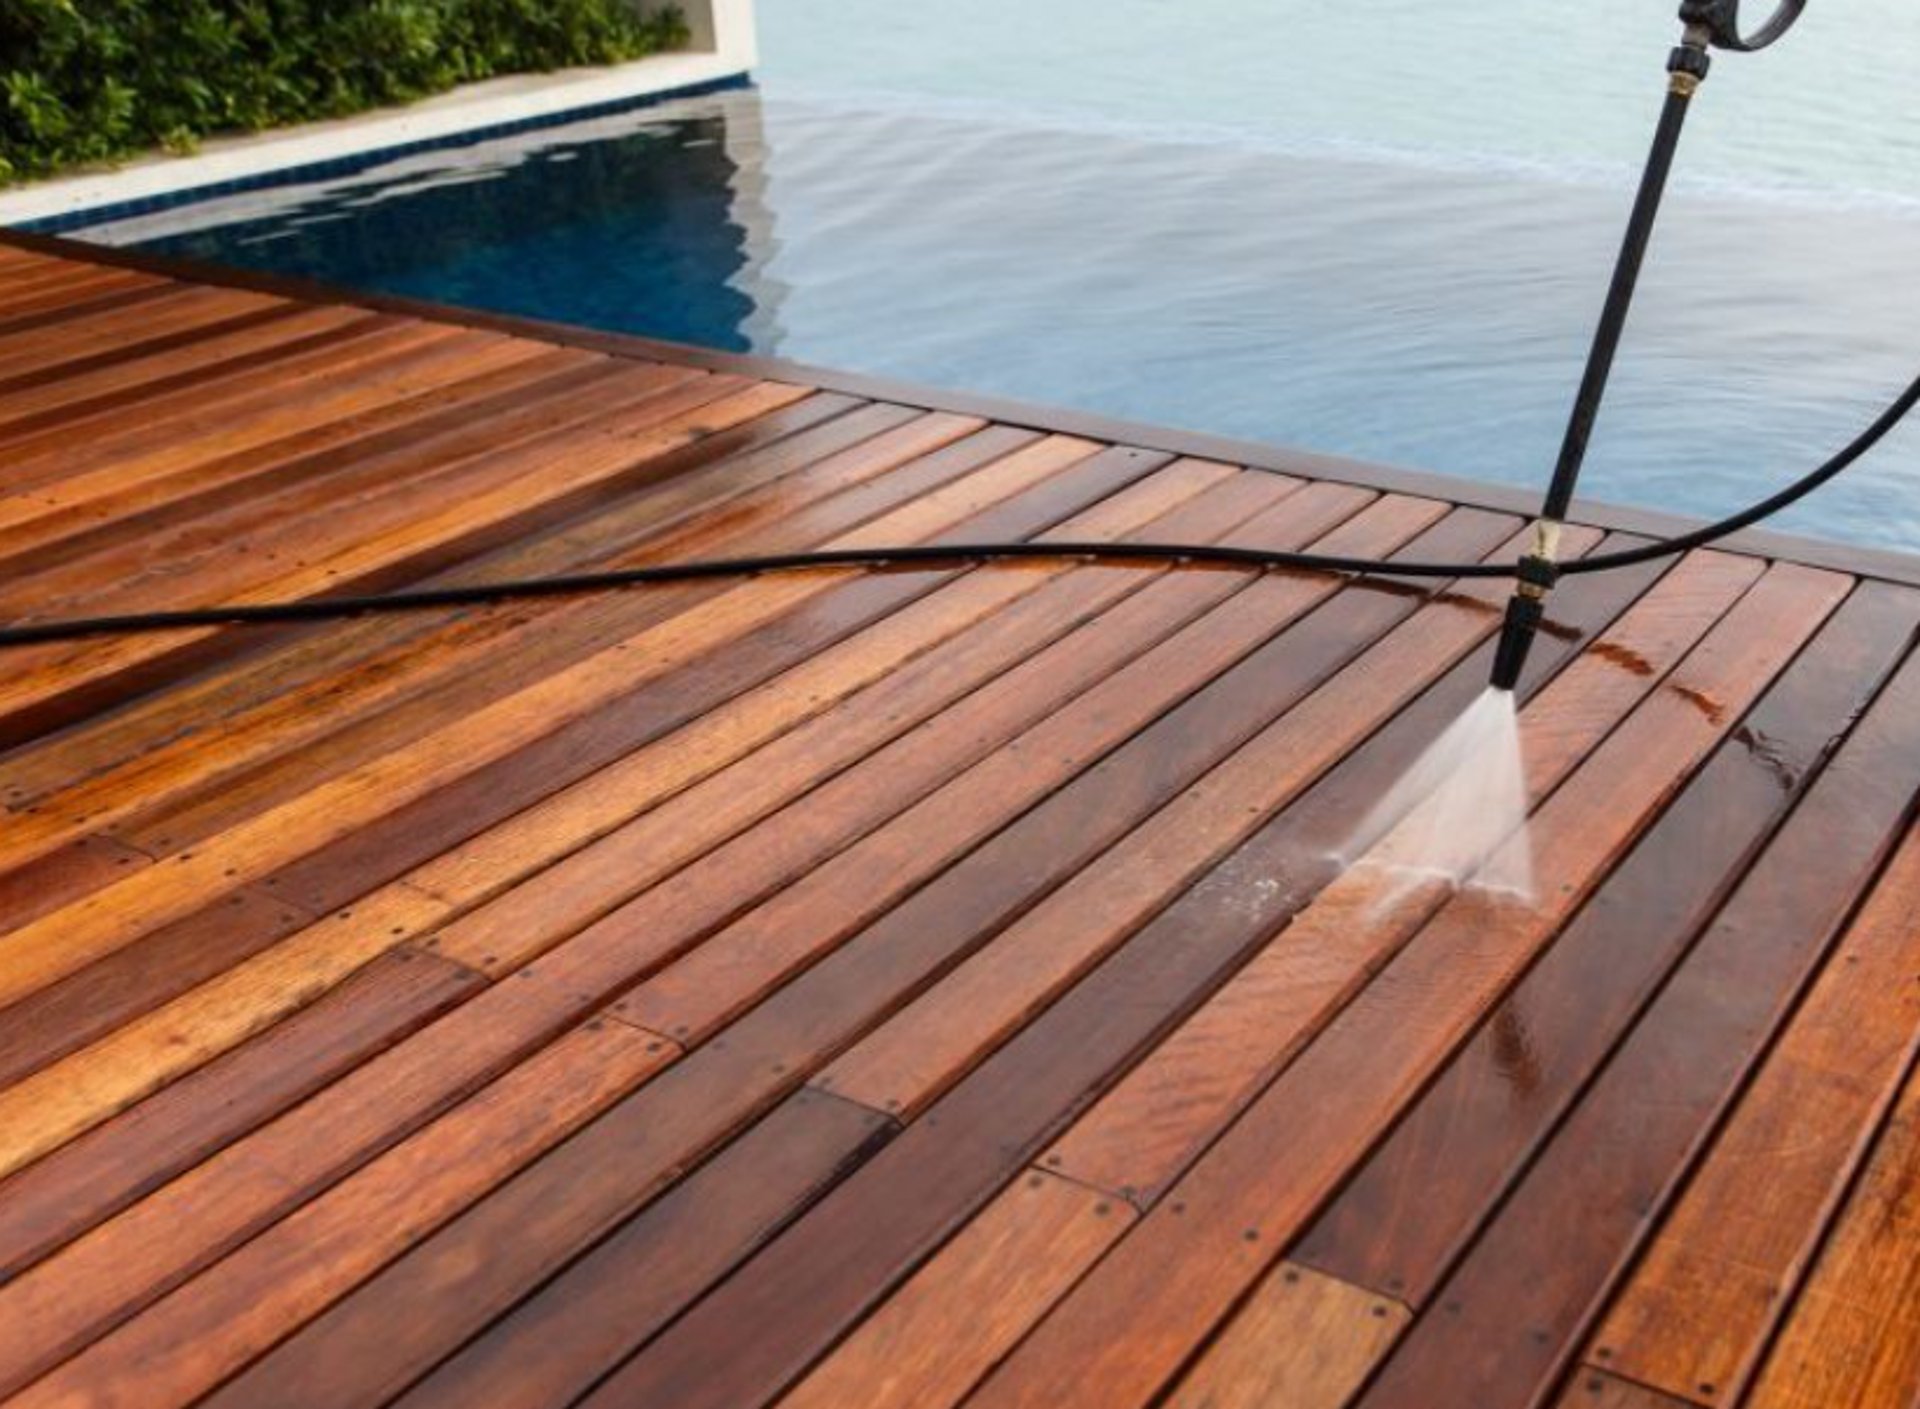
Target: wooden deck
x=895 y=988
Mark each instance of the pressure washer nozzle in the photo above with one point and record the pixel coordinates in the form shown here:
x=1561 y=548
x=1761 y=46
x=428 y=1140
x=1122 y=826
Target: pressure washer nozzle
x=1525 y=612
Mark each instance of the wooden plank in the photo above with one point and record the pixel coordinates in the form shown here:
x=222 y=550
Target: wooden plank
x=811 y=1285
x=73 y=401
x=1853 y=1335
x=1402 y=1222
x=243 y=794
x=67 y=1016
x=56 y=308
x=931 y=1043
x=186 y=513
x=1024 y=492
x=1525 y=1293
x=1303 y=1339
x=142 y=445
x=554 y=1345
x=200 y=548
x=812 y=913
x=59 y=878
x=67 y=1099
x=932 y=1341
x=610 y=1171
x=1180 y=1273
x=1598 y=1390
x=184 y=1345
x=1143 y=1134
x=178 y=322
x=178 y=315
x=181 y=955
x=54 y=1201
x=324 y=664
x=1701 y=1305
x=141 y=1254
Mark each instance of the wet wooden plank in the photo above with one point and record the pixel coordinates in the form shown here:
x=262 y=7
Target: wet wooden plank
x=927 y=1046
x=811 y=1286
x=184 y=1345
x=1259 y=1184
x=1700 y=1307
x=1416 y=1204
x=1853 y=1334
x=1513 y=1312
x=56 y=1200
x=1304 y=1340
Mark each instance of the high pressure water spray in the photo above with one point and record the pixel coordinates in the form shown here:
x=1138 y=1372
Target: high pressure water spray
x=1709 y=24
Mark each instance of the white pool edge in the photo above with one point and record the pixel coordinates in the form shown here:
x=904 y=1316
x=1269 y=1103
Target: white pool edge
x=723 y=47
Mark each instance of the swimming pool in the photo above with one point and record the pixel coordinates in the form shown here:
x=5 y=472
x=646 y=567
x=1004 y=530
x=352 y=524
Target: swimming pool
x=1421 y=307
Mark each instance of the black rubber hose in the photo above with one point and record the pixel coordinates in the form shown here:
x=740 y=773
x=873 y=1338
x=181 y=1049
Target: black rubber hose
x=932 y=555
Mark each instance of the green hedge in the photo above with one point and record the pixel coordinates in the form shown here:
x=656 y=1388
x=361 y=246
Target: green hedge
x=90 y=80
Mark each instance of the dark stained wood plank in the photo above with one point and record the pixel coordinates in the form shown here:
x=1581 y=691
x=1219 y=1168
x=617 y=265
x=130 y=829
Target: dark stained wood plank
x=59 y=877
x=836 y=1262
x=1701 y=1305
x=1216 y=1231
x=1411 y=1211
x=74 y=1189
x=557 y=1343
x=1853 y=1336
x=1511 y=1313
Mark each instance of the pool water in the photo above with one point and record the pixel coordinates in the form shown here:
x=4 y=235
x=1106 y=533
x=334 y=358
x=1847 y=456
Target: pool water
x=1250 y=219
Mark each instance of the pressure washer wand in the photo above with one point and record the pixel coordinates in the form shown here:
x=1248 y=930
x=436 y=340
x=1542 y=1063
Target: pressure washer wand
x=1708 y=22
x=1539 y=569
